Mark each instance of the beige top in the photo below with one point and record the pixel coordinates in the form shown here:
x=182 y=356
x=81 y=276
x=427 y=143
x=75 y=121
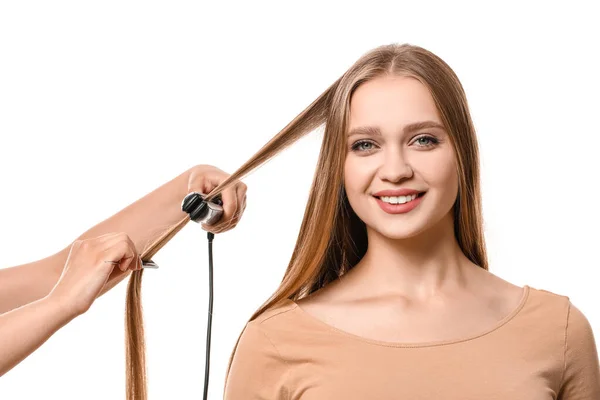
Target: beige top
x=545 y=349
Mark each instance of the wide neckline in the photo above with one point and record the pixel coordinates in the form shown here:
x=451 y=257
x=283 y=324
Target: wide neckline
x=496 y=326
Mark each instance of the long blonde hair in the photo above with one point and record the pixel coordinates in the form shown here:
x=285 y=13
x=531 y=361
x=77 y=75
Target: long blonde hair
x=332 y=239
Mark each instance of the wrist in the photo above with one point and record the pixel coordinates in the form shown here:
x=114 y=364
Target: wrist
x=179 y=188
x=53 y=269
x=60 y=307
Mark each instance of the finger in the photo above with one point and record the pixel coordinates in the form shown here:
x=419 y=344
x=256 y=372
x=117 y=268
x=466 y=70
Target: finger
x=129 y=259
x=241 y=199
x=243 y=208
x=136 y=261
x=235 y=218
x=207 y=181
x=120 y=252
x=230 y=204
x=243 y=188
x=232 y=216
x=110 y=266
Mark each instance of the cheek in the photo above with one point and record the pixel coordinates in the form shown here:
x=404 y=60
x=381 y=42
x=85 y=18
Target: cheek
x=349 y=173
x=444 y=176
x=356 y=175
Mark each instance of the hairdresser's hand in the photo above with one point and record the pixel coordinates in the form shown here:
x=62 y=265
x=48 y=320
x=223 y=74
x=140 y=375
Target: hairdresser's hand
x=204 y=178
x=85 y=272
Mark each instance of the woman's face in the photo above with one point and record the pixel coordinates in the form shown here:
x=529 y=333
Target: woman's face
x=420 y=159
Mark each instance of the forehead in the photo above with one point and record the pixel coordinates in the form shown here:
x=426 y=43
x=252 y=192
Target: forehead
x=391 y=101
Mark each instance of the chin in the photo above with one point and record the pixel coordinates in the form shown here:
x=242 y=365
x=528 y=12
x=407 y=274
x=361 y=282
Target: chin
x=397 y=232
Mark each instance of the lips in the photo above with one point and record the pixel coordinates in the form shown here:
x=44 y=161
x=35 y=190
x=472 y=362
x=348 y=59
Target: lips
x=399 y=208
x=397 y=192
x=420 y=194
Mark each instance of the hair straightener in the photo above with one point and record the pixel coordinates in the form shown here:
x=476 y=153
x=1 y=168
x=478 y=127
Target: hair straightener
x=209 y=213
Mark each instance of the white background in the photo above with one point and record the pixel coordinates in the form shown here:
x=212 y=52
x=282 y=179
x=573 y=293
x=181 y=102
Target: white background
x=102 y=102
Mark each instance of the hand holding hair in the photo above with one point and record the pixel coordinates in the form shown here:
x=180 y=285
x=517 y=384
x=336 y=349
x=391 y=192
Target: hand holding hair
x=205 y=178
x=89 y=264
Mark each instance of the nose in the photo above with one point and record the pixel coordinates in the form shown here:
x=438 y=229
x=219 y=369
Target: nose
x=395 y=167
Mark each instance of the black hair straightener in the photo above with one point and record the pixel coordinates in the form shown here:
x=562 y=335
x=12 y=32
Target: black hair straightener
x=209 y=213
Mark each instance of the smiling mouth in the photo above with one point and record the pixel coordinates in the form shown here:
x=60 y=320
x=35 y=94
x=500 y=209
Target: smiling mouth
x=419 y=195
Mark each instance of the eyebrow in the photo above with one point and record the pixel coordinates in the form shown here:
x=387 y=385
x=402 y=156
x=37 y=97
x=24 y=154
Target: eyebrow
x=375 y=131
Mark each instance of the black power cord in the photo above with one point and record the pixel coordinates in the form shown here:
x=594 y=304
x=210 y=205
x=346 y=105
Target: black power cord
x=208 y=213
x=210 y=236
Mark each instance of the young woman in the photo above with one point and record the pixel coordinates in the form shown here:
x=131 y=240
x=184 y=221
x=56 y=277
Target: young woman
x=388 y=293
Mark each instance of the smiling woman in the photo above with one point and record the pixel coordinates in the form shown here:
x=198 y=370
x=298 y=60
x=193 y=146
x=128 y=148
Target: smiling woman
x=388 y=292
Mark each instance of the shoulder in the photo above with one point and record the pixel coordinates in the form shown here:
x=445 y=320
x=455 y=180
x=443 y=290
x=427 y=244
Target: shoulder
x=579 y=353
x=548 y=303
x=275 y=314
x=542 y=320
x=277 y=318
x=551 y=307
x=272 y=328
x=258 y=367
x=577 y=322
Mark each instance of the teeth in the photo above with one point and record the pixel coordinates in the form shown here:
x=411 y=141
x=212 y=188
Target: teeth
x=398 y=199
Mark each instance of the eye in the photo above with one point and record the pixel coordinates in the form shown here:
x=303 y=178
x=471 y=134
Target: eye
x=357 y=146
x=432 y=141
x=425 y=141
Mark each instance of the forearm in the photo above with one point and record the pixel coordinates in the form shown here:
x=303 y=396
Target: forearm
x=148 y=218
x=144 y=221
x=28 y=282
x=25 y=329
